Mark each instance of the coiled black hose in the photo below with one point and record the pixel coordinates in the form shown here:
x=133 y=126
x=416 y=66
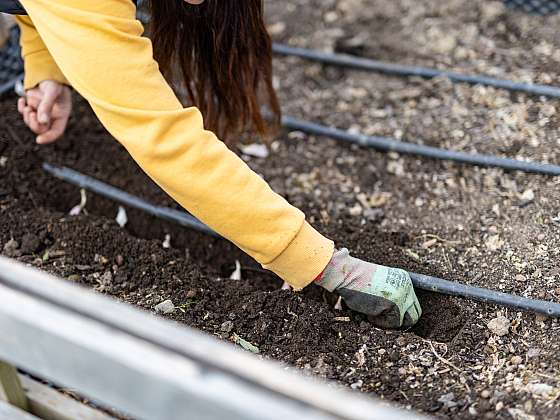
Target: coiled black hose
x=388 y=144
x=421 y=281
x=359 y=63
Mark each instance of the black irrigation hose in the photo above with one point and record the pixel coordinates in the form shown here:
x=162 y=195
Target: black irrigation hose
x=8 y=86
x=120 y=196
x=447 y=287
x=388 y=144
x=359 y=63
x=432 y=284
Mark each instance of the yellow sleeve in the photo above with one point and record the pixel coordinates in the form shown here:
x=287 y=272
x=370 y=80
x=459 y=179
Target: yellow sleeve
x=39 y=65
x=99 y=48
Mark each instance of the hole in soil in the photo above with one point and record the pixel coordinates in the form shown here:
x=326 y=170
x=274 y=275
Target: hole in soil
x=442 y=317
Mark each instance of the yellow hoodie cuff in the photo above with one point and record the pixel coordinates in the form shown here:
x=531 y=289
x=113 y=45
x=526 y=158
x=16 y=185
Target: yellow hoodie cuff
x=304 y=259
x=39 y=66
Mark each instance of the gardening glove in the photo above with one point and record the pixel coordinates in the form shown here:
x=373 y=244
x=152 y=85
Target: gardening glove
x=385 y=294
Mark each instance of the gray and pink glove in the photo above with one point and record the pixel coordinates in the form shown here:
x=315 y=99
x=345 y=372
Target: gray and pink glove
x=385 y=294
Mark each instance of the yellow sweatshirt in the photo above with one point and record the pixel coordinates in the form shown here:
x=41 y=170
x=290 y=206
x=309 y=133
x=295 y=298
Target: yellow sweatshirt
x=97 y=47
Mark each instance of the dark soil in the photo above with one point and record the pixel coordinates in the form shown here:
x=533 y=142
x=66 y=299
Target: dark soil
x=452 y=221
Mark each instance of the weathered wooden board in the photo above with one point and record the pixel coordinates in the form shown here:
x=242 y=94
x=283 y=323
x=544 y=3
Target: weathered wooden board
x=151 y=368
x=11 y=386
x=49 y=404
x=9 y=412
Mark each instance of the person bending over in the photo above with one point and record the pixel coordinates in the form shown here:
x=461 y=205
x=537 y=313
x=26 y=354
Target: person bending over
x=221 y=52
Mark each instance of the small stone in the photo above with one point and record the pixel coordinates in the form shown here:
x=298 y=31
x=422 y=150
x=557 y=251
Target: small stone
x=520 y=278
x=494 y=243
x=357 y=385
x=540 y=317
x=448 y=400
x=374 y=215
x=485 y=394
x=499 y=406
x=540 y=390
x=396 y=167
x=516 y=360
x=107 y=277
x=527 y=196
x=499 y=326
x=356 y=210
x=30 y=243
x=518 y=414
x=276 y=28
x=191 y=294
x=74 y=278
x=165 y=307
x=445 y=44
x=11 y=249
x=532 y=353
x=491 y=10
x=227 y=327
x=119 y=260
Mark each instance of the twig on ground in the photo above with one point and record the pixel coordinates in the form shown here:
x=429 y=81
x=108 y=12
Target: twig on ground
x=447 y=362
x=544 y=375
x=439 y=238
x=13 y=134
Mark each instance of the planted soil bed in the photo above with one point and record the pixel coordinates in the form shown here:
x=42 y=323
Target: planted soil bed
x=485 y=227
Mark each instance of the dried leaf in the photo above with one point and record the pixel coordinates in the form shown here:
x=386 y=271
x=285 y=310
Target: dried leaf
x=167 y=241
x=76 y=210
x=236 y=275
x=245 y=344
x=379 y=199
x=286 y=286
x=429 y=243
x=255 y=150
x=338 y=304
x=412 y=254
x=493 y=243
x=122 y=218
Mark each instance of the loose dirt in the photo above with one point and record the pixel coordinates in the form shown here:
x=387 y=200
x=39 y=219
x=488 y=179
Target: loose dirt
x=485 y=227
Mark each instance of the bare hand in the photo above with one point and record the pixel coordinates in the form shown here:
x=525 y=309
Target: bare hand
x=46 y=110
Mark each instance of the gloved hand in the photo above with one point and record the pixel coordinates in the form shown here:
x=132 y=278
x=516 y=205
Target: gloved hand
x=385 y=294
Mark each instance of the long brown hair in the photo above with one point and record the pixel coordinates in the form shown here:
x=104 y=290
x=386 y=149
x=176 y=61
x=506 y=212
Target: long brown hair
x=222 y=52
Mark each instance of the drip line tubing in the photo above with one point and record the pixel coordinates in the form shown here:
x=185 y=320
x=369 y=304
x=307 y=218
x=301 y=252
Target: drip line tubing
x=122 y=197
x=393 y=145
x=437 y=285
x=367 y=64
x=420 y=281
x=9 y=85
